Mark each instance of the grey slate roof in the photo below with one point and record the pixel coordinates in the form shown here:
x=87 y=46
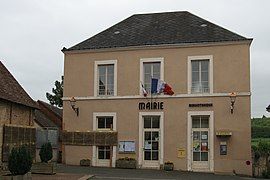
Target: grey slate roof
x=43 y=120
x=158 y=29
x=12 y=91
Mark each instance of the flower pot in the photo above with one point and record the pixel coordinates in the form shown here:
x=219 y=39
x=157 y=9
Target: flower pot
x=126 y=163
x=168 y=167
x=43 y=168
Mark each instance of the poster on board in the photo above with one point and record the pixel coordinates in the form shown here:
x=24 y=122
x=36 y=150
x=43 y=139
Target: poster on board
x=126 y=146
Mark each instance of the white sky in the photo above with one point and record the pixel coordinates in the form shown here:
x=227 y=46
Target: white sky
x=33 y=32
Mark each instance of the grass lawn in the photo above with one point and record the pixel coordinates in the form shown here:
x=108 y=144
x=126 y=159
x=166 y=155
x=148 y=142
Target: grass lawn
x=255 y=141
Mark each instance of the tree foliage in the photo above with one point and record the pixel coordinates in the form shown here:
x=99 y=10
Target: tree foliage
x=260 y=127
x=56 y=97
x=19 y=161
x=46 y=152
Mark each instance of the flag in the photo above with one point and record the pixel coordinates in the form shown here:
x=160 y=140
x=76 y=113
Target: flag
x=143 y=90
x=158 y=86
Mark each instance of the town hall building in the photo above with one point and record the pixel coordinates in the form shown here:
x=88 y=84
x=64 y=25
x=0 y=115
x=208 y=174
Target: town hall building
x=109 y=111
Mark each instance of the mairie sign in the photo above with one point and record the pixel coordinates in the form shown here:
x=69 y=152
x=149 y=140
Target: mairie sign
x=150 y=105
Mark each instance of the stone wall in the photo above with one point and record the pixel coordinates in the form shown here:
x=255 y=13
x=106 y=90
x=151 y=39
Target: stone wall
x=12 y=113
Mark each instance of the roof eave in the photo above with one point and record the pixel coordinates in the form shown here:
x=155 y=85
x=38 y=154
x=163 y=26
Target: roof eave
x=160 y=46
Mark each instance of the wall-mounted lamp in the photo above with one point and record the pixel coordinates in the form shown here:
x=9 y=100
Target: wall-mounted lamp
x=268 y=108
x=233 y=98
x=73 y=105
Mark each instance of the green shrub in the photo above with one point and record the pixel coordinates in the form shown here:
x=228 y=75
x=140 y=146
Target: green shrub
x=45 y=152
x=19 y=161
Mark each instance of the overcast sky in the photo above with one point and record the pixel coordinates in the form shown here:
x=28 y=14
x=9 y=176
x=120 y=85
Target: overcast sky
x=33 y=32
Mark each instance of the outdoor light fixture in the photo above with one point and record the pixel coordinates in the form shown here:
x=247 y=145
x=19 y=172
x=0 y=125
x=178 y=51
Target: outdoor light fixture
x=268 y=108
x=73 y=103
x=233 y=98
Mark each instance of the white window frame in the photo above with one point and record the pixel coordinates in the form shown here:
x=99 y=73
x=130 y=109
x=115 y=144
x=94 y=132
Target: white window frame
x=150 y=60
x=103 y=114
x=211 y=137
x=105 y=62
x=161 y=156
x=189 y=81
x=94 y=148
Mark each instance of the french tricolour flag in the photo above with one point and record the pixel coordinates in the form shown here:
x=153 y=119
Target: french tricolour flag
x=158 y=86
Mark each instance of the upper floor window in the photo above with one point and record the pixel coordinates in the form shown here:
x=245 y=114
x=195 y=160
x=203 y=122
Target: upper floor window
x=200 y=76
x=151 y=70
x=105 y=78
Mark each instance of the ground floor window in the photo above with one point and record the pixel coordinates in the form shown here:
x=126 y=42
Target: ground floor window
x=200 y=133
x=105 y=122
x=104 y=152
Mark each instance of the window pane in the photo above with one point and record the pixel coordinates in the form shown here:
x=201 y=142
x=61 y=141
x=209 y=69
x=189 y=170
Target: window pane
x=147 y=155
x=154 y=155
x=101 y=70
x=101 y=122
x=147 y=78
x=110 y=90
x=204 y=122
x=155 y=136
x=107 y=154
x=195 y=122
x=204 y=76
x=196 y=156
x=156 y=68
x=204 y=156
x=109 y=122
x=147 y=136
x=110 y=69
x=155 y=122
x=205 y=65
x=147 y=122
x=195 y=65
x=155 y=145
x=110 y=79
x=147 y=68
x=102 y=80
x=157 y=76
x=195 y=77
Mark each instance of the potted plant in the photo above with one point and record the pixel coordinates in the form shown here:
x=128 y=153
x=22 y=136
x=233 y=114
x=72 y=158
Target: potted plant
x=19 y=162
x=168 y=166
x=85 y=162
x=126 y=163
x=45 y=167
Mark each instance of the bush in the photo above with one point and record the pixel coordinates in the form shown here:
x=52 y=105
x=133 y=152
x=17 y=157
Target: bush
x=45 y=152
x=19 y=161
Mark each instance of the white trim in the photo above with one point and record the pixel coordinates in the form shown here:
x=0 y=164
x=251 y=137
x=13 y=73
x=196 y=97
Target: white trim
x=144 y=60
x=141 y=114
x=189 y=75
x=94 y=155
x=162 y=46
x=104 y=62
x=97 y=114
x=160 y=96
x=114 y=156
x=211 y=138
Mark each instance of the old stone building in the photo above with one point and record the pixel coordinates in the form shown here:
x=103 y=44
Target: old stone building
x=16 y=115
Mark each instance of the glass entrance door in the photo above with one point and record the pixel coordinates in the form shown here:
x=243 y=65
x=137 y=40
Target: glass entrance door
x=151 y=137
x=200 y=143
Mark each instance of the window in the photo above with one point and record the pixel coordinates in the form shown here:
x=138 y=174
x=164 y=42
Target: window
x=105 y=122
x=104 y=152
x=151 y=70
x=106 y=80
x=200 y=76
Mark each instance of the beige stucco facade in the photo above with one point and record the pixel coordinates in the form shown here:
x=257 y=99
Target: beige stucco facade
x=230 y=73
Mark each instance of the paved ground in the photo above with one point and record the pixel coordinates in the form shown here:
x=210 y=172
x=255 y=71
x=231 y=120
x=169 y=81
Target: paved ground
x=140 y=174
